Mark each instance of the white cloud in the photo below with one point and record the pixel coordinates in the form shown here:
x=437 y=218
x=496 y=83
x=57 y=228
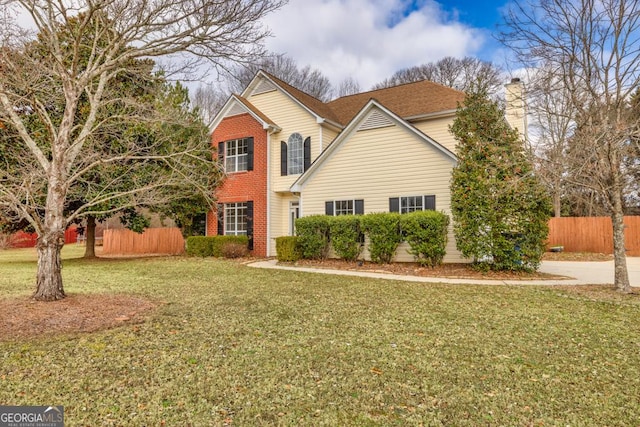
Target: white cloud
x=368 y=40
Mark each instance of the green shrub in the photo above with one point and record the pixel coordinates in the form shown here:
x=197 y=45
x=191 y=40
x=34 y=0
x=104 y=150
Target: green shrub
x=345 y=236
x=215 y=245
x=198 y=246
x=313 y=236
x=383 y=231
x=287 y=249
x=426 y=233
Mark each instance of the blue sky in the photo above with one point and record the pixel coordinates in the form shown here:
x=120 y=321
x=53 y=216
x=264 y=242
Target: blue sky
x=371 y=39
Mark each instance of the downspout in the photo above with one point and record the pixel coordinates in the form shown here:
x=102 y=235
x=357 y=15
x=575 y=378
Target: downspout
x=269 y=132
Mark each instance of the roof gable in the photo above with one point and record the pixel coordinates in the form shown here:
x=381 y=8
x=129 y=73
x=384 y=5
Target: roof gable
x=264 y=82
x=373 y=115
x=237 y=105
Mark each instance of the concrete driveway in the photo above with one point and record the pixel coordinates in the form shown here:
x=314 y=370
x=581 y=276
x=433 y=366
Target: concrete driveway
x=600 y=272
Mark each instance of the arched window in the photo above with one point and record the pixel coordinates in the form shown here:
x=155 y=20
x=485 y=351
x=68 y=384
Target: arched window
x=295 y=154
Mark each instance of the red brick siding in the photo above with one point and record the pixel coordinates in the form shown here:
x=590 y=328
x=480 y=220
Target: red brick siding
x=244 y=186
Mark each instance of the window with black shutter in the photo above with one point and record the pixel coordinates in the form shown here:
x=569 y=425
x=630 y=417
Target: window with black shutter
x=409 y=204
x=283 y=158
x=249 y=213
x=250 y=153
x=344 y=207
x=307 y=153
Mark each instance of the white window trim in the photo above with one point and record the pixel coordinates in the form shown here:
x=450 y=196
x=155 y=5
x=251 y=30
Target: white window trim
x=236 y=157
x=295 y=141
x=236 y=207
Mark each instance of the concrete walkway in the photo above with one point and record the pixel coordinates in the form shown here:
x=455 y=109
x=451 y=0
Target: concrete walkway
x=577 y=273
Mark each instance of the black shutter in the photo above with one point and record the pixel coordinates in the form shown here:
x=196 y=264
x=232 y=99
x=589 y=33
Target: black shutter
x=250 y=153
x=250 y=224
x=307 y=153
x=221 y=153
x=283 y=158
x=220 y=215
x=358 y=207
x=430 y=203
x=394 y=204
x=328 y=208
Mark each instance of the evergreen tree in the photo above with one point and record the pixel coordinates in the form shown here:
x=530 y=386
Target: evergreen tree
x=499 y=207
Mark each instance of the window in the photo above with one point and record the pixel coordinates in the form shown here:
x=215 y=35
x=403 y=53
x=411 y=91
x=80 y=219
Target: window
x=235 y=219
x=236 y=155
x=295 y=155
x=344 y=207
x=412 y=203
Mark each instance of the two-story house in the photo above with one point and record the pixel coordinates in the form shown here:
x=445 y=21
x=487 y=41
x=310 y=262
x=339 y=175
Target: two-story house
x=287 y=154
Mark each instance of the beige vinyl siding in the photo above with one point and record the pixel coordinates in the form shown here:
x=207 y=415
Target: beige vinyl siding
x=377 y=164
x=290 y=117
x=328 y=135
x=438 y=129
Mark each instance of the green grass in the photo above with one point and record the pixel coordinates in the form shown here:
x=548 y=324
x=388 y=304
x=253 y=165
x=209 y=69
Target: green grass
x=239 y=345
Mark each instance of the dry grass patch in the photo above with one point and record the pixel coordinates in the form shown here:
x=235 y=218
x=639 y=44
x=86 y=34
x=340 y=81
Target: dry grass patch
x=232 y=345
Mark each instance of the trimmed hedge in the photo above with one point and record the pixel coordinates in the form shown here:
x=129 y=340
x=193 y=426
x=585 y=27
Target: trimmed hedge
x=198 y=246
x=216 y=246
x=383 y=230
x=313 y=236
x=346 y=236
x=426 y=233
x=287 y=249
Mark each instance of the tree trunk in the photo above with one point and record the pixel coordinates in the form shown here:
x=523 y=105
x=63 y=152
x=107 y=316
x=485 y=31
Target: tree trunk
x=557 y=204
x=49 y=277
x=621 y=275
x=90 y=243
x=51 y=240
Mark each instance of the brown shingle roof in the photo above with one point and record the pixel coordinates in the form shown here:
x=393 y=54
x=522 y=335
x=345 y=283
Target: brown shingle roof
x=407 y=100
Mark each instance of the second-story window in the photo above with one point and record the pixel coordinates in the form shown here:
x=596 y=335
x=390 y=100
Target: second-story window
x=295 y=155
x=236 y=154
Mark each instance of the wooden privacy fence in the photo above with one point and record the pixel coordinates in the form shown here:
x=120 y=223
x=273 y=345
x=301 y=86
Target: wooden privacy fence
x=153 y=241
x=593 y=234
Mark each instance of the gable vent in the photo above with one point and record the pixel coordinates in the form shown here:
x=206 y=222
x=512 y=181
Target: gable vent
x=263 y=87
x=236 y=109
x=376 y=119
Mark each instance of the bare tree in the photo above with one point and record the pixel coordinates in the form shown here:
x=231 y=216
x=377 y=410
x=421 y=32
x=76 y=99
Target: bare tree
x=306 y=79
x=549 y=106
x=209 y=99
x=593 y=47
x=348 y=86
x=84 y=47
x=461 y=74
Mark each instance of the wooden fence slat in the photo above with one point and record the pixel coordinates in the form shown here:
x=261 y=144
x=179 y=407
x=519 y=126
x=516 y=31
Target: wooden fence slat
x=153 y=241
x=592 y=234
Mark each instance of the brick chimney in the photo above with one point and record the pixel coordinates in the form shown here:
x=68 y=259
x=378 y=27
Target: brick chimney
x=515 y=109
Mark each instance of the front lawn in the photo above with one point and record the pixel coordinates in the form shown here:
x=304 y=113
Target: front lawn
x=233 y=345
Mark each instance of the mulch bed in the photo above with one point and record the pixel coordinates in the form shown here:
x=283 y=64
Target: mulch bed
x=26 y=318
x=454 y=271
